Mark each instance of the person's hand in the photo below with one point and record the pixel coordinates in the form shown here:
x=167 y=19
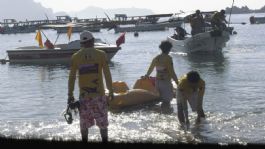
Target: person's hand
x=70 y=99
x=111 y=96
x=144 y=77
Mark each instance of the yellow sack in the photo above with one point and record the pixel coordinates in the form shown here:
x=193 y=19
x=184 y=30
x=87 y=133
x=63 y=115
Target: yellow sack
x=132 y=97
x=146 y=84
x=119 y=87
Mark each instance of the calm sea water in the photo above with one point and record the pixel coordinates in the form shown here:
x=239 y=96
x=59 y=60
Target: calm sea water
x=33 y=97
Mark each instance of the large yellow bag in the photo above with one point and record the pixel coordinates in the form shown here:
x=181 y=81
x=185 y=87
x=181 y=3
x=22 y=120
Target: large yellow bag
x=143 y=92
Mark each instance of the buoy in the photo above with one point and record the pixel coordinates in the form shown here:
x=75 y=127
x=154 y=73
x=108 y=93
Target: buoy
x=234 y=32
x=136 y=34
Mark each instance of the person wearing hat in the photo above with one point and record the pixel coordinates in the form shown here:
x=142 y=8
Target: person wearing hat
x=190 y=89
x=218 y=20
x=90 y=63
x=197 y=23
x=164 y=73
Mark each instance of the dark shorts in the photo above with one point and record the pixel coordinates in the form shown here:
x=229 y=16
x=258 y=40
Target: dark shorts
x=93 y=110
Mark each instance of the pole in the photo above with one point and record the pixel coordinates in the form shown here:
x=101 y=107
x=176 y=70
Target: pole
x=231 y=12
x=43 y=34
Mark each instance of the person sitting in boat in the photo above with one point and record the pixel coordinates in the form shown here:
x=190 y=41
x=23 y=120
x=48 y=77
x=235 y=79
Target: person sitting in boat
x=191 y=88
x=164 y=73
x=218 y=20
x=48 y=44
x=197 y=23
x=180 y=33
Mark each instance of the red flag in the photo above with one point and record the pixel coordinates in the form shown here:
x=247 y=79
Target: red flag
x=120 y=40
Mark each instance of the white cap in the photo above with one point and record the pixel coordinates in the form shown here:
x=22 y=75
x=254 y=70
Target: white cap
x=86 y=36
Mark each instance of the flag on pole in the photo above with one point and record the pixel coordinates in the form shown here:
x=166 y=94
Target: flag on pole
x=39 y=39
x=69 y=32
x=120 y=40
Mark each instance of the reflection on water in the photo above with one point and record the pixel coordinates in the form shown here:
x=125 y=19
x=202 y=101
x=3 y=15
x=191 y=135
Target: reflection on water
x=216 y=61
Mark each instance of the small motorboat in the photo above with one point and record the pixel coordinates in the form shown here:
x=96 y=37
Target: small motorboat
x=209 y=41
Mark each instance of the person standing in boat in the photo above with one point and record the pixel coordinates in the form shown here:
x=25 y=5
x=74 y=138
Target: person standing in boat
x=218 y=20
x=164 y=73
x=197 y=23
x=90 y=63
x=191 y=88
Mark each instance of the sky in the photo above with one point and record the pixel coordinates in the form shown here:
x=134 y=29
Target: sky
x=157 y=6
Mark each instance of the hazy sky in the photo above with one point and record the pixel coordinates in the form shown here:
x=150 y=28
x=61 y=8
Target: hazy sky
x=157 y=6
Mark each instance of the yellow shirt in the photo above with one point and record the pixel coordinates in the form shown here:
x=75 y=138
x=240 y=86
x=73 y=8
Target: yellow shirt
x=187 y=88
x=89 y=63
x=164 y=67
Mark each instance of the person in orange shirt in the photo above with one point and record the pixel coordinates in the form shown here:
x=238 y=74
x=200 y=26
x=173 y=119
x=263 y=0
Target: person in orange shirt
x=191 y=88
x=164 y=73
x=90 y=63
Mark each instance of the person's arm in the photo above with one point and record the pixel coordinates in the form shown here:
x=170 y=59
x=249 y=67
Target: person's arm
x=151 y=67
x=107 y=75
x=171 y=71
x=201 y=89
x=71 y=80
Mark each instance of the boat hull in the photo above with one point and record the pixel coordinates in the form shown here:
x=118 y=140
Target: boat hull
x=147 y=27
x=38 y=55
x=77 y=29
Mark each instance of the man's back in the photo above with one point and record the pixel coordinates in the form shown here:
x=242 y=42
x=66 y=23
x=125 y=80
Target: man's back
x=89 y=63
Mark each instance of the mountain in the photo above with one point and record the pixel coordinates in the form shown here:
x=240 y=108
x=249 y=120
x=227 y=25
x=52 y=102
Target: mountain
x=244 y=9
x=24 y=9
x=93 y=12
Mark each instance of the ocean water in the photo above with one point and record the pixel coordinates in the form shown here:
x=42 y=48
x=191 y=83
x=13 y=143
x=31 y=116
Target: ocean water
x=33 y=97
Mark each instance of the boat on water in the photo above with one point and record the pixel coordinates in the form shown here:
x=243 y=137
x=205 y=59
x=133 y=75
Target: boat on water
x=76 y=27
x=141 y=27
x=257 y=20
x=11 y=26
x=60 y=53
x=209 y=41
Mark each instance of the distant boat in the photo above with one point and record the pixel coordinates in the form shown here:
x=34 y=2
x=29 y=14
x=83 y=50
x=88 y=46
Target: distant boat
x=257 y=20
x=76 y=27
x=209 y=41
x=11 y=26
x=79 y=28
x=141 y=27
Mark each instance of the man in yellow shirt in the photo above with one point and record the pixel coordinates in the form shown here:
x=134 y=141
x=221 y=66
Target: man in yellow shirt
x=164 y=73
x=190 y=88
x=90 y=63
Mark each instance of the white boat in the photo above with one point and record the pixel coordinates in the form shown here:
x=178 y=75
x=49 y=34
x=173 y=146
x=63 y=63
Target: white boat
x=141 y=27
x=209 y=41
x=60 y=54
